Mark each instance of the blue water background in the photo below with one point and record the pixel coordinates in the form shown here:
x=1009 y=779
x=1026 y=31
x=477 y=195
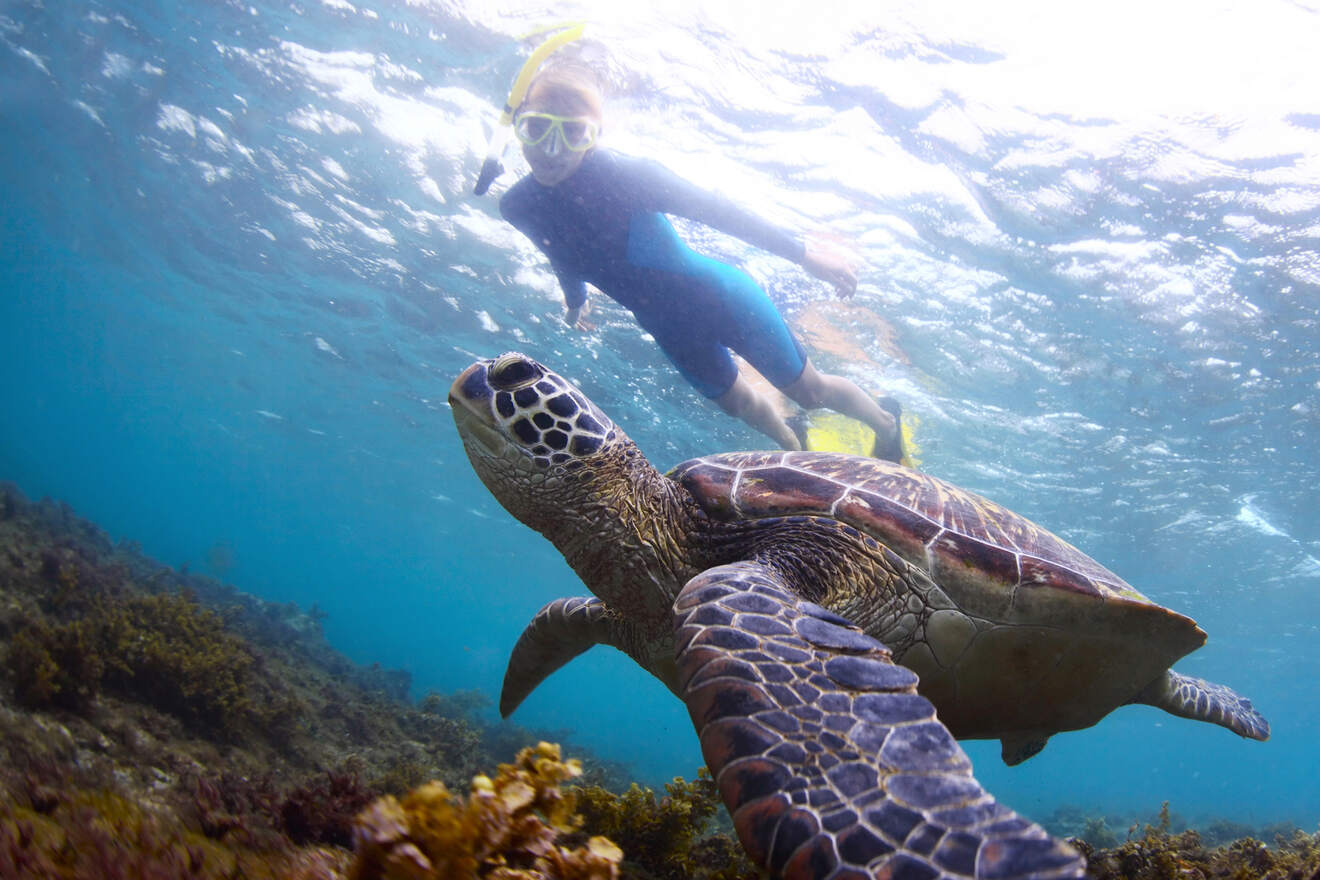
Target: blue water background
x=241 y=265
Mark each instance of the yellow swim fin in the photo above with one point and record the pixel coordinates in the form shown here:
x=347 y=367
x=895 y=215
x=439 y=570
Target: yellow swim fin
x=911 y=449
x=832 y=432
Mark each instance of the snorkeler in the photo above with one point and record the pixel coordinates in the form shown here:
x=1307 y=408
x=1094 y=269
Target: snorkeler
x=599 y=217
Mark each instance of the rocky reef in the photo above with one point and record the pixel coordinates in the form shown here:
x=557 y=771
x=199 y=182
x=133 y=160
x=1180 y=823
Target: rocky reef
x=160 y=724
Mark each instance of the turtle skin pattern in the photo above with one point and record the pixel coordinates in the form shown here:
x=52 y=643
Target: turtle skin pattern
x=831 y=764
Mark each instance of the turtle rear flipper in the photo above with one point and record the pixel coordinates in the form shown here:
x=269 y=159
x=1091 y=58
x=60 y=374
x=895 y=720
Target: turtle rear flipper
x=1019 y=747
x=1203 y=700
x=828 y=760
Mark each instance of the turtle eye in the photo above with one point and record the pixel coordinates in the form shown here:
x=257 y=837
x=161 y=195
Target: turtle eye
x=509 y=372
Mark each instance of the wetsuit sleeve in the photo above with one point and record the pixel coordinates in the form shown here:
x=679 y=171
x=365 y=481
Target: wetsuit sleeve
x=575 y=289
x=516 y=211
x=668 y=193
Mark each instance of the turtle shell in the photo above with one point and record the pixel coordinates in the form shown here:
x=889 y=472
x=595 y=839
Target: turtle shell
x=1027 y=610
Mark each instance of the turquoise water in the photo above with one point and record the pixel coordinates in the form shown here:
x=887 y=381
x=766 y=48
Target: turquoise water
x=242 y=263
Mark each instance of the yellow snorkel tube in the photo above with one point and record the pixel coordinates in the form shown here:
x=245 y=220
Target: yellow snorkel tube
x=492 y=167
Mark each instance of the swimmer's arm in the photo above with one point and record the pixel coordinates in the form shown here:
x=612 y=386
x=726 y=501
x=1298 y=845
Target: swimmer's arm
x=830 y=264
x=670 y=194
x=514 y=209
x=575 y=298
x=674 y=195
x=574 y=318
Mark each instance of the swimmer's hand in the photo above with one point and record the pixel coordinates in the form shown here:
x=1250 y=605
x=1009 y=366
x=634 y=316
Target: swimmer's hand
x=830 y=263
x=573 y=318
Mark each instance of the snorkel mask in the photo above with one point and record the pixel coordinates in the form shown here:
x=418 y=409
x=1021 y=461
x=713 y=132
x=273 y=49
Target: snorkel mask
x=493 y=167
x=573 y=133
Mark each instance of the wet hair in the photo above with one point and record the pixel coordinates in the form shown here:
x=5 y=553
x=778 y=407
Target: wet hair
x=572 y=81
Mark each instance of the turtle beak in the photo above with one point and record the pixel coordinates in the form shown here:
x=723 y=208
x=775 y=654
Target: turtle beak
x=472 y=386
x=470 y=399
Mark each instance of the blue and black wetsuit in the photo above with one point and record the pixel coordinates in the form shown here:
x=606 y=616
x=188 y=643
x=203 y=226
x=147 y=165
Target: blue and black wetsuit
x=605 y=225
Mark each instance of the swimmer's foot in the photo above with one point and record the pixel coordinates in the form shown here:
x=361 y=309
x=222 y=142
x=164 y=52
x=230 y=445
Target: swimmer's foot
x=890 y=448
x=798 y=423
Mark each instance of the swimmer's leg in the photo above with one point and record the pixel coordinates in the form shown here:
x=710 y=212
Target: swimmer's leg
x=814 y=389
x=745 y=402
x=754 y=328
x=706 y=363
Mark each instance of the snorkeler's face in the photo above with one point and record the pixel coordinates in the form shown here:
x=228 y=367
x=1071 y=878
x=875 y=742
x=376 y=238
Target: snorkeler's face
x=552 y=159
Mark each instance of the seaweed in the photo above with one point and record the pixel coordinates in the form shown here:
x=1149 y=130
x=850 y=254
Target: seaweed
x=662 y=838
x=229 y=804
x=164 y=650
x=318 y=811
x=322 y=810
x=508 y=828
x=104 y=836
x=55 y=666
x=1162 y=854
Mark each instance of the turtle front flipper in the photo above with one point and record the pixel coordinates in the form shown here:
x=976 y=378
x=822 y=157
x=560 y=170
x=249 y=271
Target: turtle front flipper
x=559 y=632
x=567 y=627
x=1203 y=700
x=828 y=760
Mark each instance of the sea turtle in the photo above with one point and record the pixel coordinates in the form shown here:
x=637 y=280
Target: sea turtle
x=776 y=593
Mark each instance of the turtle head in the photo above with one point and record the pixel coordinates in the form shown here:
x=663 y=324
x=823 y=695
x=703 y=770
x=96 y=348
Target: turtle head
x=530 y=435
x=559 y=465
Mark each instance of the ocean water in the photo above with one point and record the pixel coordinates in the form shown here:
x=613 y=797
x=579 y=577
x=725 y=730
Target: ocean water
x=242 y=262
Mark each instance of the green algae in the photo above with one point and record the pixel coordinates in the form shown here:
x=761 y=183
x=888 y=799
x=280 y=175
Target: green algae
x=164 y=650
x=1159 y=853
x=669 y=836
